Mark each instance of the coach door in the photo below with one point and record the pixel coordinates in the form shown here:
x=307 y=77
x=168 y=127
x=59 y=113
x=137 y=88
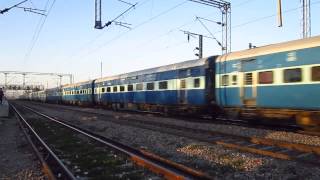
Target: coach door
x=248 y=91
x=182 y=92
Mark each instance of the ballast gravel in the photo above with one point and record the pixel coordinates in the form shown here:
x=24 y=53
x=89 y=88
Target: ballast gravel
x=217 y=161
x=17 y=160
x=231 y=129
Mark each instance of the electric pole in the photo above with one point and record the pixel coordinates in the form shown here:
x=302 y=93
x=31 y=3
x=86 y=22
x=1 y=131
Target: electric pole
x=306 y=18
x=5 y=80
x=200 y=46
x=279 y=13
x=225 y=9
x=98 y=12
x=200 y=36
x=98 y=24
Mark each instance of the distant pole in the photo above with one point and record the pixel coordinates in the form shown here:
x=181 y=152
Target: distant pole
x=5 y=80
x=200 y=46
x=60 y=80
x=70 y=78
x=24 y=80
x=279 y=13
x=101 y=69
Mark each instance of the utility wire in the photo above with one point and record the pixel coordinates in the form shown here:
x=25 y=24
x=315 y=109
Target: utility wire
x=100 y=35
x=139 y=25
x=32 y=4
x=33 y=10
x=185 y=24
x=269 y=16
x=37 y=33
x=37 y=28
x=219 y=43
x=236 y=26
x=9 y=8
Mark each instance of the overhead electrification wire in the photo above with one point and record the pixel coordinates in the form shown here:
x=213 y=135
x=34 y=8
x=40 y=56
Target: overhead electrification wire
x=183 y=25
x=236 y=26
x=38 y=31
x=269 y=16
x=32 y=4
x=14 y=6
x=139 y=25
x=99 y=35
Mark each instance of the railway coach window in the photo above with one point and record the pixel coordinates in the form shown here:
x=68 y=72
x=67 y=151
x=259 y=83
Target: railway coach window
x=139 y=87
x=103 y=90
x=130 y=87
x=248 y=78
x=108 y=89
x=183 y=84
x=225 y=80
x=115 y=88
x=292 y=75
x=234 y=79
x=196 y=83
x=163 y=85
x=121 y=88
x=316 y=73
x=150 y=86
x=266 y=77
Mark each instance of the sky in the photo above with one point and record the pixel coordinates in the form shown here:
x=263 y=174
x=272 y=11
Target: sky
x=66 y=42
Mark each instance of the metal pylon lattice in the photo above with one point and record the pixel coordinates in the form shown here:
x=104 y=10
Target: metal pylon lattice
x=24 y=74
x=225 y=8
x=306 y=18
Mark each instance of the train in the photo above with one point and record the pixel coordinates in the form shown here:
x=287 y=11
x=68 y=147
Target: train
x=277 y=82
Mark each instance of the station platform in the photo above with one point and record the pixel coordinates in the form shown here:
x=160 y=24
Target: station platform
x=4 y=109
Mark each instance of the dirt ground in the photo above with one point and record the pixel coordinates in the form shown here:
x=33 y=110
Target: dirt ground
x=17 y=161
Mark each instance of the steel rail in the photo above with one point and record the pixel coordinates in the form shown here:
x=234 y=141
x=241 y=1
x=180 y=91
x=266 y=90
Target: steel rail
x=45 y=167
x=257 y=140
x=168 y=169
x=267 y=143
x=218 y=120
x=65 y=170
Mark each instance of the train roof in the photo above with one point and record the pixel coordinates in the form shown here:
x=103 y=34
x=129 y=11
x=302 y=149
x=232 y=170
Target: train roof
x=180 y=65
x=272 y=48
x=77 y=84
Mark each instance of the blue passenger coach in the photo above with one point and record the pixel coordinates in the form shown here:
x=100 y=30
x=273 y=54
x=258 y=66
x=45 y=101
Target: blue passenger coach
x=174 y=87
x=79 y=93
x=278 y=81
x=53 y=95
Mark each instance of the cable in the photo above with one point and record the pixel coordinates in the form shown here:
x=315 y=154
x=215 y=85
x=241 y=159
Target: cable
x=14 y=6
x=185 y=24
x=99 y=35
x=37 y=33
x=139 y=25
x=266 y=17
x=32 y=4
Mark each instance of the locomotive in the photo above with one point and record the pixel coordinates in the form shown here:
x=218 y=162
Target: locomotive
x=277 y=82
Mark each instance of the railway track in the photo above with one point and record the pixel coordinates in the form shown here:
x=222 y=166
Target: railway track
x=219 y=120
x=302 y=153
x=75 y=153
